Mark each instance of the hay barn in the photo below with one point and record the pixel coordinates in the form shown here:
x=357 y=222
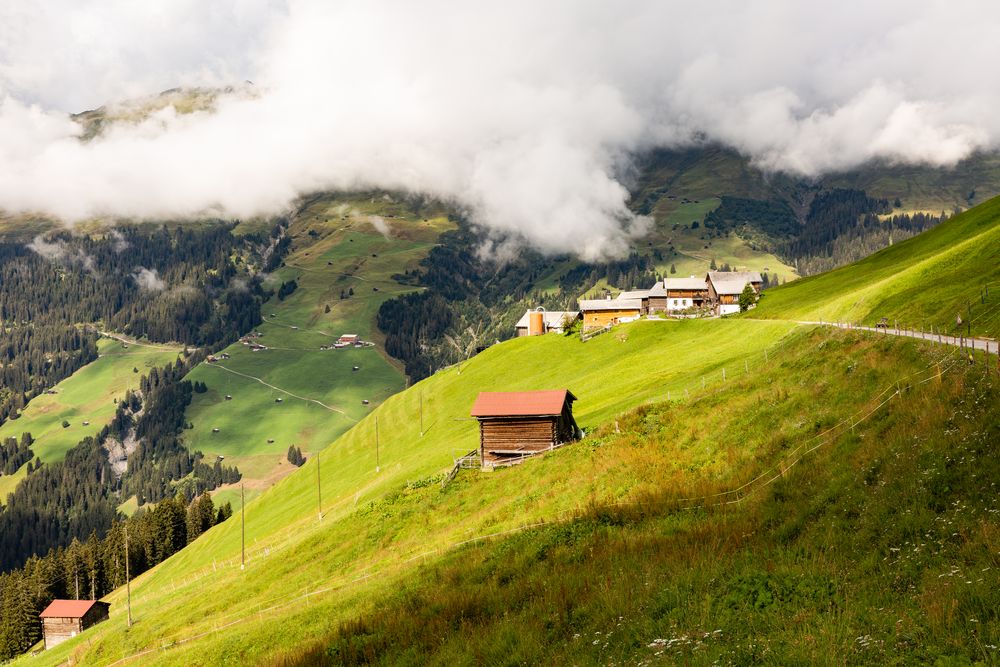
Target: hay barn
x=65 y=619
x=516 y=424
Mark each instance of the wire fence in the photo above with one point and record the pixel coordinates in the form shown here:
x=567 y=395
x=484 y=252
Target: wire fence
x=935 y=369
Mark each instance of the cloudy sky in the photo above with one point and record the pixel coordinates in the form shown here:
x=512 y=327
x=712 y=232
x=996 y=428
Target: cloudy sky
x=526 y=114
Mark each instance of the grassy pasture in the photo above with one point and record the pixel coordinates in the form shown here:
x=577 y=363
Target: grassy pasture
x=924 y=282
x=87 y=395
x=384 y=554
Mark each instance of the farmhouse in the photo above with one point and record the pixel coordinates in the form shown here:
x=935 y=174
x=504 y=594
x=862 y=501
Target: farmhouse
x=642 y=296
x=598 y=313
x=348 y=339
x=516 y=424
x=725 y=287
x=685 y=293
x=540 y=321
x=64 y=619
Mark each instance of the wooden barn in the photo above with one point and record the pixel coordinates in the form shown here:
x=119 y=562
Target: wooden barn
x=65 y=619
x=598 y=313
x=516 y=424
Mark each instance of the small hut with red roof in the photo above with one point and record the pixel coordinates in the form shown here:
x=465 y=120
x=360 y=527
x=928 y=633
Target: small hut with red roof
x=517 y=424
x=65 y=619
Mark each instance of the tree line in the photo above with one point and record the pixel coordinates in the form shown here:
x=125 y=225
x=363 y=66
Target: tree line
x=36 y=357
x=92 y=567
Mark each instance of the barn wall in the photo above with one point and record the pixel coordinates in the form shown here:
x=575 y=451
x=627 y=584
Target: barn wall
x=58 y=630
x=595 y=319
x=527 y=435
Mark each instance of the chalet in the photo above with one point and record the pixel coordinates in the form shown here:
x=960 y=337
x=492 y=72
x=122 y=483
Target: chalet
x=725 y=287
x=640 y=295
x=685 y=293
x=657 y=300
x=516 y=424
x=598 y=313
x=540 y=321
x=65 y=619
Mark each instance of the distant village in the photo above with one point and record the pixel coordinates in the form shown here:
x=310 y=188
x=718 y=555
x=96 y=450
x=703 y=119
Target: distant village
x=717 y=294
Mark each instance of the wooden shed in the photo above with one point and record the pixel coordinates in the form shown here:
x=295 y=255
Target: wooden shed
x=65 y=619
x=599 y=313
x=516 y=424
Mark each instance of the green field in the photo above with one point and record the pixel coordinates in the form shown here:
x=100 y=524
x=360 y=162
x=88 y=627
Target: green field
x=335 y=249
x=87 y=395
x=836 y=483
x=923 y=282
x=673 y=225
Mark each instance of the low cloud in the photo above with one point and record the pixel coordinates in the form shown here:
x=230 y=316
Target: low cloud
x=118 y=241
x=524 y=115
x=60 y=252
x=53 y=251
x=148 y=279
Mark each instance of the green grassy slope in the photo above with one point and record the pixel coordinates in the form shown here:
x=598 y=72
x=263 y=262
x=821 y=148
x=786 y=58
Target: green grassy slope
x=87 y=395
x=867 y=454
x=924 y=281
x=394 y=568
x=335 y=248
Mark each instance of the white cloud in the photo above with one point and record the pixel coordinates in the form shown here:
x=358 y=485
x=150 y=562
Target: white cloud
x=523 y=114
x=60 y=252
x=148 y=279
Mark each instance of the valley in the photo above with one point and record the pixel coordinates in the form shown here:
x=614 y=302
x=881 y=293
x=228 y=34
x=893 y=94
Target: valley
x=787 y=448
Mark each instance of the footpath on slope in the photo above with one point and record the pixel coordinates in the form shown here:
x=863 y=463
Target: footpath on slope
x=987 y=345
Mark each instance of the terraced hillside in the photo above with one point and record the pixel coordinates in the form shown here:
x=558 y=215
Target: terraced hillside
x=928 y=281
x=343 y=265
x=86 y=396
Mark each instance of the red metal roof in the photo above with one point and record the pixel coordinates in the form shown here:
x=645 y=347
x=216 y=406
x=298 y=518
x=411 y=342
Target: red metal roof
x=67 y=608
x=520 y=403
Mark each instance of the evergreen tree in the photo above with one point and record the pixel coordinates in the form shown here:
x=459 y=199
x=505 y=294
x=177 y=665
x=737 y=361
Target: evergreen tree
x=748 y=297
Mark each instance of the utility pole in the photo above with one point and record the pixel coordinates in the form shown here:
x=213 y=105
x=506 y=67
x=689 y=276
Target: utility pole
x=243 y=528
x=421 y=414
x=376 y=445
x=319 y=491
x=128 y=582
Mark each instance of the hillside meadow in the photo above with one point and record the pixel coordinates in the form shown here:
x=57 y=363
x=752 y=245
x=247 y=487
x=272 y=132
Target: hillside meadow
x=86 y=396
x=926 y=281
x=294 y=393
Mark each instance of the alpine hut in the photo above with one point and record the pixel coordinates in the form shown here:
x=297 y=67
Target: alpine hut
x=516 y=424
x=65 y=619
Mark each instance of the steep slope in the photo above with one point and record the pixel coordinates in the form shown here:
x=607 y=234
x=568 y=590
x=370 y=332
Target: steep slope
x=923 y=282
x=392 y=556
